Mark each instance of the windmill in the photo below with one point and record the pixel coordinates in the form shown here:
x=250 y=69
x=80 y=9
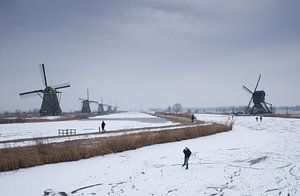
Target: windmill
x=115 y=110
x=109 y=108
x=85 y=103
x=258 y=97
x=50 y=105
x=100 y=107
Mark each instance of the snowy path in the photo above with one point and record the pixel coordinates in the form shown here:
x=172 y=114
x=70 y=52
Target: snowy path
x=253 y=159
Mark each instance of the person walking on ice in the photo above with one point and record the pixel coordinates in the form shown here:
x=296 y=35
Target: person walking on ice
x=193 y=118
x=187 y=153
x=103 y=126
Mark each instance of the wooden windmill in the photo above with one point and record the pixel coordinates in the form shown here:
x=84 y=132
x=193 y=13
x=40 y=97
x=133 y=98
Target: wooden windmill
x=50 y=105
x=85 y=103
x=260 y=106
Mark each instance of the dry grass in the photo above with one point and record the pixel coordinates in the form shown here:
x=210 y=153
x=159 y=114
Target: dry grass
x=22 y=119
x=22 y=157
x=183 y=118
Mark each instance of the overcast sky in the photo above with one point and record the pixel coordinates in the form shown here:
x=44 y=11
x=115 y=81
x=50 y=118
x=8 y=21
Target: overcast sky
x=153 y=53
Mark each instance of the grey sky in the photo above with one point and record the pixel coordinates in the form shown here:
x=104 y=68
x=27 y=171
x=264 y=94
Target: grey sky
x=143 y=54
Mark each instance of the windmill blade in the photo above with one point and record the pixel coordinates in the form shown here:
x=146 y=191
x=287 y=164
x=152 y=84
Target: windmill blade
x=257 y=82
x=66 y=85
x=96 y=102
x=87 y=92
x=82 y=99
x=268 y=103
x=31 y=92
x=248 y=106
x=43 y=73
x=31 y=95
x=61 y=85
x=247 y=90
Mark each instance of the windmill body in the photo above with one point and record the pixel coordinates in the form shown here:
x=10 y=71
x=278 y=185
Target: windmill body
x=115 y=109
x=101 y=108
x=85 y=104
x=85 y=107
x=109 y=109
x=50 y=104
x=260 y=106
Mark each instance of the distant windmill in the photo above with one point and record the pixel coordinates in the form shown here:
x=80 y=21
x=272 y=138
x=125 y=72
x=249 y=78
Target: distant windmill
x=115 y=108
x=101 y=108
x=85 y=103
x=258 y=97
x=50 y=105
x=108 y=110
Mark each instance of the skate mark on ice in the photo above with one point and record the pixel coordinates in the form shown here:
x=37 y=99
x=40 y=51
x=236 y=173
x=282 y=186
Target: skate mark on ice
x=276 y=189
x=292 y=173
x=284 y=166
x=235 y=148
x=170 y=191
x=86 y=187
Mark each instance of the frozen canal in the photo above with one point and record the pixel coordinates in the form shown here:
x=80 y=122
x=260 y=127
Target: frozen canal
x=256 y=158
x=126 y=120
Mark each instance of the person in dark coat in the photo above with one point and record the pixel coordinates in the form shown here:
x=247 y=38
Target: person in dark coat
x=260 y=118
x=103 y=126
x=187 y=153
x=193 y=118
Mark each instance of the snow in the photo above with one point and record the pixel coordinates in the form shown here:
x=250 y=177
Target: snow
x=11 y=143
x=113 y=122
x=255 y=158
x=125 y=115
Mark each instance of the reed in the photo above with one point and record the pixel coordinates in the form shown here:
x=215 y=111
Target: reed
x=39 y=154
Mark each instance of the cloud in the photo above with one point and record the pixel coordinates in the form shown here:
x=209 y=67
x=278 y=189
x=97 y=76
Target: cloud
x=151 y=53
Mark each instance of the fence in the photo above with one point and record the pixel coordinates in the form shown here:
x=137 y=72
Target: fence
x=62 y=132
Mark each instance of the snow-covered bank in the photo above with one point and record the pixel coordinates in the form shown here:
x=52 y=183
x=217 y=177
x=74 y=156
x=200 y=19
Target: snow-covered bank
x=254 y=159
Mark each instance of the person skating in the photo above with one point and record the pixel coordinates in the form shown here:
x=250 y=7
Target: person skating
x=187 y=153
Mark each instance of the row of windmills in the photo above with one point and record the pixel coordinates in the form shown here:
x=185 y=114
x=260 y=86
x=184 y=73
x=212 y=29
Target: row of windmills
x=102 y=108
x=51 y=97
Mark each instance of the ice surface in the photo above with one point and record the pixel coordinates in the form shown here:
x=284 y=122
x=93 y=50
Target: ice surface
x=256 y=158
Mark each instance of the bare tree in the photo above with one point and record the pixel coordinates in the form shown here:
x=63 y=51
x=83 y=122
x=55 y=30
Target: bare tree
x=177 y=108
x=169 y=109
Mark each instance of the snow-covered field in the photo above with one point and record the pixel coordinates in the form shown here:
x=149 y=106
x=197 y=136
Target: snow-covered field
x=256 y=158
x=116 y=121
